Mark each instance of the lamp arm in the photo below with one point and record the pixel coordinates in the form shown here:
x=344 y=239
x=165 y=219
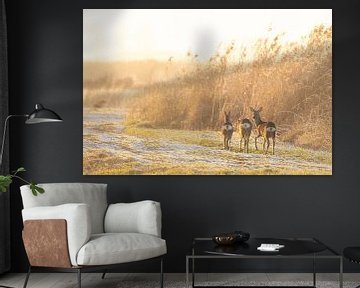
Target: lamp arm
x=4 y=134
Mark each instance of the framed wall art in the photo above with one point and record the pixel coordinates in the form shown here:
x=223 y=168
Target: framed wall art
x=207 y=92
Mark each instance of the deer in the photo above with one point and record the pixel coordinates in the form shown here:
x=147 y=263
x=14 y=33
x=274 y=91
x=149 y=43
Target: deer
x=244 y=128
x=266 y=130
x=227 y=130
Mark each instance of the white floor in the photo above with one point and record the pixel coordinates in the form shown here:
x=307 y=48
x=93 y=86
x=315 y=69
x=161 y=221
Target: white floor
x=115 y=280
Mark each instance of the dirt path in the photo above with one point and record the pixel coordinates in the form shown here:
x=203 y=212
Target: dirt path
x=109 y=148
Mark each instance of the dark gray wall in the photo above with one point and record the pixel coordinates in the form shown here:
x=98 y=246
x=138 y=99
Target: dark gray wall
x=45 y=50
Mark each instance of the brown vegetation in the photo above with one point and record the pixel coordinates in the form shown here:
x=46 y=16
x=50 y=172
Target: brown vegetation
x=293 y=84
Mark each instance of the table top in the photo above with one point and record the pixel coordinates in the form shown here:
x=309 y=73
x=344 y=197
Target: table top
x=292 y=247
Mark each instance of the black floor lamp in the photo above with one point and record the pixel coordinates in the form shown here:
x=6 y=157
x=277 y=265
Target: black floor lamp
x=39 y=115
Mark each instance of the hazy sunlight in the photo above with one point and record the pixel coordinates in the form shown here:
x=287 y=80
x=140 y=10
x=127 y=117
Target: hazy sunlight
x=138 y=34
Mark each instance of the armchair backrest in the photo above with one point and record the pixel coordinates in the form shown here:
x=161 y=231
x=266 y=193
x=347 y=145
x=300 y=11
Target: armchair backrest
x=55 y=194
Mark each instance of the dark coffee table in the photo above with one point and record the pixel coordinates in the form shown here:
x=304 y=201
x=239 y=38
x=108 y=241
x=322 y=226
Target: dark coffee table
x=295 y=248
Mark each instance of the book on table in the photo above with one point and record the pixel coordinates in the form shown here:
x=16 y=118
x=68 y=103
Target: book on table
x=270 y=247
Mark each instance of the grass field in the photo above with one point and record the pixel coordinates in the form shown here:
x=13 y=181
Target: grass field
x=113 y=146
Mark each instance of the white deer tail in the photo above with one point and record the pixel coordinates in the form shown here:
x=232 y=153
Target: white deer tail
x=228 y=127
x=245 y=125
x=271 y=129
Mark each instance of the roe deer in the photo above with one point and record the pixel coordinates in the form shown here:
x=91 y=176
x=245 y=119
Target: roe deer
x=266 y=130
x=245 y=127
x=227 y=130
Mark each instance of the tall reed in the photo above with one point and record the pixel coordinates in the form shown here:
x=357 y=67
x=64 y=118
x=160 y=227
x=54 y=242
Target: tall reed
x=292 y=82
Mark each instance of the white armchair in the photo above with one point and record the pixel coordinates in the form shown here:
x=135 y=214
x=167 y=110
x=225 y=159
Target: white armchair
x=72 y=228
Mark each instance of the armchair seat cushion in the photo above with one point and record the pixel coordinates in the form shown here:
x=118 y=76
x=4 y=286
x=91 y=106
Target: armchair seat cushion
x=114 y=248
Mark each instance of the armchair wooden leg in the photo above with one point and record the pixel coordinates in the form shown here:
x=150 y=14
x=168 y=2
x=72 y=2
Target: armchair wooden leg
x=79 y=277
x=103 y=275
x=27 y=277
x=161 y=273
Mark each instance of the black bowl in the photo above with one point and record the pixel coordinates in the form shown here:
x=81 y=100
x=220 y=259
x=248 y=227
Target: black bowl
x=241 y=236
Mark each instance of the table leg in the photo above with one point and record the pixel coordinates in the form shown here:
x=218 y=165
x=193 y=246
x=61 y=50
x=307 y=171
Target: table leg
x=193 y=267
x=341 y=273
x=187 y=272
x=193 y=272
x=314 y=271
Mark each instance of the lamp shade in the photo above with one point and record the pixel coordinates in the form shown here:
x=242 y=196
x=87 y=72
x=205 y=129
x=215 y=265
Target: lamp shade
x=42 y=115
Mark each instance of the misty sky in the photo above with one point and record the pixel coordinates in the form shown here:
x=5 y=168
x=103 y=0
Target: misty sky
x=136 y=34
